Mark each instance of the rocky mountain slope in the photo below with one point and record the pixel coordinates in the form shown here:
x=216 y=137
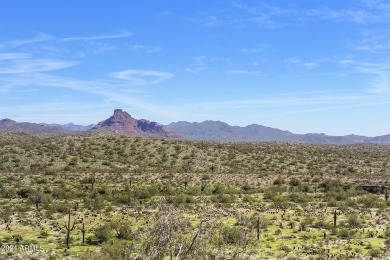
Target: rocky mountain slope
x=122 y=123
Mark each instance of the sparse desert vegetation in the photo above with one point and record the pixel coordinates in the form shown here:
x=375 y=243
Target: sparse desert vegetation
x=101 y=196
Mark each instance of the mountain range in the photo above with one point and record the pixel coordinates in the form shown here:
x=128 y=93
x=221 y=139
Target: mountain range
x=122 y=123
x=72 y=127
x=8 y=125
x=220 y=131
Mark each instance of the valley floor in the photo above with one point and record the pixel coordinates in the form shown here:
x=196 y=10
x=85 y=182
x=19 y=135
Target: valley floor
x=114 y=197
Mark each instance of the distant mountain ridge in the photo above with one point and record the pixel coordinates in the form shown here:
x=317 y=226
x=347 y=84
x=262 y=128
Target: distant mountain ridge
x=122 y=123
x=8 y=125
x=73 y=127
x=220 y=131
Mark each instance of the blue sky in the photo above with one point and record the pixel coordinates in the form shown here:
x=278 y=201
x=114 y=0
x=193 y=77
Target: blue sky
x=303 y=66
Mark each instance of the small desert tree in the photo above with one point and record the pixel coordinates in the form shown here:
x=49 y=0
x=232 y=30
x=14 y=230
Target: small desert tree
x=167 y=235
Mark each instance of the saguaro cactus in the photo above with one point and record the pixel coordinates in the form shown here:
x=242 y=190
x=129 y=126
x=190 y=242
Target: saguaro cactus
x=92 y=181
x=83 y=232
x=258 y=227
x=69 y=228
x=335 y=218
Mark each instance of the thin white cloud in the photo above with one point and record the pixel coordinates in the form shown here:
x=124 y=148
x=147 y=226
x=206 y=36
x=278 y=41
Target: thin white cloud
x=39 y=37
x=34 y=65
x=369 y=103
x=144 y=48
x=296 y=104
x=110 y=90
x=366 y=12
x=204 y=60
x=353 y=15
x=276 y=16
x=346 y=62
x=298 y=62
x=14 y=56
x=310 y=65
x=379 y=71
x=43 y=107
x=252 y=50
x=57 y=112
x=292 y=61
x=264 y=15
x=287 y=101
x=100 y=37
x=200 y=64
x=142 y=77
x=243 y=72
x=378 y=5
x=242 y=14
x=380 y=83
x=374 y=41
x=5 y=89
x=194 y=70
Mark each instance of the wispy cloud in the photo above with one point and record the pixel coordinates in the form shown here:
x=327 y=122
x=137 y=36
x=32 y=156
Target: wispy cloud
x=244 y=13
x=144 y=48
x=5 y=89
x=76 y=47
x=14 y=56
x=298 y=62
x=243 y=72
x=56 y=112
x=378 y=72
x=353 y=15
x=265 y=15
x=39 y=37
x=374 y=41
x=365 y=12
x=378 y=4
x=293 y=104
x=25 y=65
x=18 y=62
x=287 y=101
x=43 y=107
x=111 y=90
x=142 y=77
x=380 y=83
x=100 y=37
x=252 y=50
x=34 y=65
x=369 y=103
x=200 y=64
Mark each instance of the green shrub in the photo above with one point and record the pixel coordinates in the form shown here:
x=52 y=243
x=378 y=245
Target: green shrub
x=232 y=235
x=279 y=181
x=371 y=201
x=375 y=252
x=104 y=233
x=354 y=221
x=294 y=182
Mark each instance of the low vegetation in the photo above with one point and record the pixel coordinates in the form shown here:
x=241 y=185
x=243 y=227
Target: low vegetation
x=99 y=196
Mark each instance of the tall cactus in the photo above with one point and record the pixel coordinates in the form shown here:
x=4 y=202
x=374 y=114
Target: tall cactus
x=83 y=232
x=335 y=218
x=69 y=228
